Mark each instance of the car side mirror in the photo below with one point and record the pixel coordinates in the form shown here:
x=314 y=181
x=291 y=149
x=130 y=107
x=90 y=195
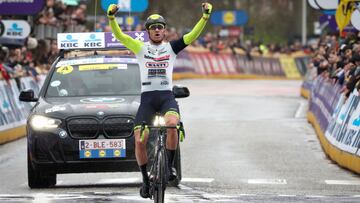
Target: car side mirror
x=28 y=96
x=181 y=92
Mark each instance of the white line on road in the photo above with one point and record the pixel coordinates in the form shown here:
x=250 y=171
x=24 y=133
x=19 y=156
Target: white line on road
x=243 y=194
x=138 y=180
x=268 y=181
x=287 y=195
x=300 y=109
x=315 y=196
x=183 y=187
x=197 y=180
x=342 y=182
x=119 y=181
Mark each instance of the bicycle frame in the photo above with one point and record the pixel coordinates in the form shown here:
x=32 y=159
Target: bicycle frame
x=158 y=170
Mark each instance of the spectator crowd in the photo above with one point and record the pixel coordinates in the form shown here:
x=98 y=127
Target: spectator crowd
x=338 y=61
x=39 y=50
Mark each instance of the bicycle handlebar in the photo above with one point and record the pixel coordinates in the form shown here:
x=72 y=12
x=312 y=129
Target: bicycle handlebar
x=145 y=127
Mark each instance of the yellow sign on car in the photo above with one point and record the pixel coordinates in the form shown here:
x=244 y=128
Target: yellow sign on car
x=102 y=67
x=65 y=70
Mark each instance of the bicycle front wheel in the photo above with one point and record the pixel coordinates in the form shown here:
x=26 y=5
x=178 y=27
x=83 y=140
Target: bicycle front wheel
x=160 y=182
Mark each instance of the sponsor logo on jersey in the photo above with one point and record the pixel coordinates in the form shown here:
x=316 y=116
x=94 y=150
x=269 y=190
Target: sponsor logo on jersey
x=156 y=64
x=157 y=73
x=161 y=58
x=165 y=82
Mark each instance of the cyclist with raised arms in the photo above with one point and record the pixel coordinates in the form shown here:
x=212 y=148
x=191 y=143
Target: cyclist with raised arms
x=156 y=59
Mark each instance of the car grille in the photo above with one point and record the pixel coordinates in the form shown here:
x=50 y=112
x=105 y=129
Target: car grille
x=110 y=127
x=83 y=127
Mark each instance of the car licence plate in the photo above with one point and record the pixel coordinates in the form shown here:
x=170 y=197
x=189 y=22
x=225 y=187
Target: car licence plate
x=102 y=148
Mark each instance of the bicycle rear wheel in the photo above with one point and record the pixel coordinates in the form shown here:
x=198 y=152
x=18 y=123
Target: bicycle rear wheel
x=160 y=178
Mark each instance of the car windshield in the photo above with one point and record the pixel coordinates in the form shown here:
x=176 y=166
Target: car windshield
x=94 y=80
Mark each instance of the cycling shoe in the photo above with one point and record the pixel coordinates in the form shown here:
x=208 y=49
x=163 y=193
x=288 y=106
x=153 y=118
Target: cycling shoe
x=144 y=190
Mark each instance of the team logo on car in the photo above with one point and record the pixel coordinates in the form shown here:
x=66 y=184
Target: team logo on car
x=102 y=100
x=65 y=70
x=100 y=113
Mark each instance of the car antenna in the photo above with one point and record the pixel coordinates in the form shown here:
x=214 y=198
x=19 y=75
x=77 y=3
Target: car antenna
x=62 y=53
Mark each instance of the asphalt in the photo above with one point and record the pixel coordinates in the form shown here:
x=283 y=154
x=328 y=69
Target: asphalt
x=246 y=141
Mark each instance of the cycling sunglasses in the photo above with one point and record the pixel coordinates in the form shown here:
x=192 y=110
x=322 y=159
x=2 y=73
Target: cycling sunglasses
x=156 y=26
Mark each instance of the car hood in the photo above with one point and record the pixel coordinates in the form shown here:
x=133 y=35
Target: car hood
x=63 y=107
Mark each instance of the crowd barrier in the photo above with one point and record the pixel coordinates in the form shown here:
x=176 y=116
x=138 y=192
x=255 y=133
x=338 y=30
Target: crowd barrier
x=13 y=113
x=190 y=63
x=195 y=63
x=337 y=122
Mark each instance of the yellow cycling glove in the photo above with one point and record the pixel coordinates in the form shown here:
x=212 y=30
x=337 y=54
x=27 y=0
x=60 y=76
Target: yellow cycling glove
x=206 y=9
x=112 y=9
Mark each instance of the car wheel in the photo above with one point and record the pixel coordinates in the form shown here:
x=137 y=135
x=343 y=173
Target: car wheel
x=38 y=179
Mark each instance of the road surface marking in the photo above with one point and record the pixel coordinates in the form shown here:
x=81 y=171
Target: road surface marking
x=300 y=109
x=183 y=187
x=315 y=196
x=119 y=181
x=342 y=182
x=287 y=195
x=268 y=181
x=197 y=180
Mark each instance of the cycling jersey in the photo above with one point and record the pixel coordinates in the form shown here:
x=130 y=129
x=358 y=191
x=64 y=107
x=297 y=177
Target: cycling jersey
x=156 y=65
x=156 y=61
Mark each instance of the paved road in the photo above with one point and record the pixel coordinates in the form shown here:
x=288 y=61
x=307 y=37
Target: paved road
x=247 y=141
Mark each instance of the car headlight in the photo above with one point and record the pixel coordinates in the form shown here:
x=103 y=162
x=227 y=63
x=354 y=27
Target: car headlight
x=38 y=122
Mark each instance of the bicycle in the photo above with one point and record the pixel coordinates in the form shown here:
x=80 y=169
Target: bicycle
x=158 y=170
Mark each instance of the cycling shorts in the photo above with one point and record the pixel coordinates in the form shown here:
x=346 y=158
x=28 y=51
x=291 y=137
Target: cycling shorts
x=155 y=101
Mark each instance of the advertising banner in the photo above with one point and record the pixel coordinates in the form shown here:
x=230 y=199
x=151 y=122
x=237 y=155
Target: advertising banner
x=13 y=32
x=21 y=7
x=95 y=40
x=324 y=98
x=126 y=5
x=229 y=17
x=350 y=138
x=81 y=40
x=184 y=63
x=10 y=109
x=112 y=42
x=14 y=29
x=289 y=66
x=343 y=132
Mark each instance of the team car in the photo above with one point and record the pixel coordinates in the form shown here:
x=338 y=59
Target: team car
x=83 y=118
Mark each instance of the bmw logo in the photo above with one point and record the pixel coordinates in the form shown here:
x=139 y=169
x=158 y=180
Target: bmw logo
x=63 y=134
